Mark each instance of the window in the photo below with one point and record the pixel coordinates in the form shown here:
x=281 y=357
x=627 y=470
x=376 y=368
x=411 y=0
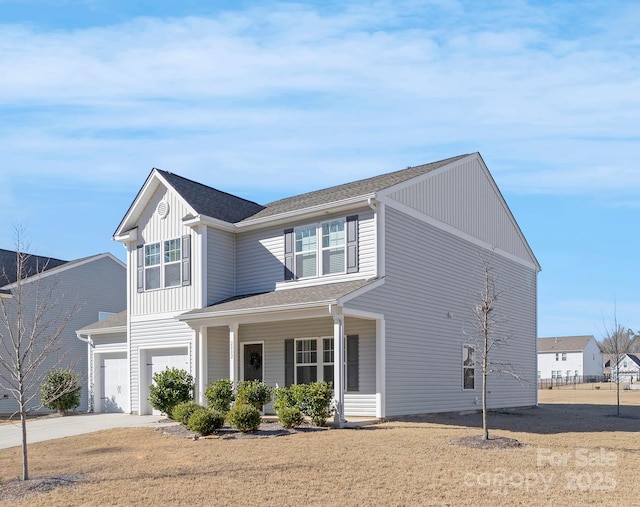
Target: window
x=564 y=356
x=327 y=359
x=557 y=356
x=553 y=374
x=306 y=252
x=306 y=361
x=468 y=367
x=313 y=257
x=539 y=374
x=333 y=247
x=164 y=264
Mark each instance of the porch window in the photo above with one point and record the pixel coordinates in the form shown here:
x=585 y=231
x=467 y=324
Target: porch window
x=306 y=361
x=468 y=367
x=327 y=359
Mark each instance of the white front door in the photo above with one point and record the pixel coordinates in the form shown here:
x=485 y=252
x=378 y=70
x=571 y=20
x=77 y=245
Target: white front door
x=161 y=359
x=114 y=381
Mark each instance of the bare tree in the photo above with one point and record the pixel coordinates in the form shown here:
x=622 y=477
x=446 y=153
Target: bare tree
x=616 y=343
x=32 y=319
x=490 y=334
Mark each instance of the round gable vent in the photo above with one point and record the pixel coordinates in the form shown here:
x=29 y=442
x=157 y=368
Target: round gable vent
x=163 y=209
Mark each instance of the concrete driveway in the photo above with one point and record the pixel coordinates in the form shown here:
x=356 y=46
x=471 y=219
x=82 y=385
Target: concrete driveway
x=50 y=428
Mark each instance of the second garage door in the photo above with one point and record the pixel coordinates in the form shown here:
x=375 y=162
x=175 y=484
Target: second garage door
x=161 y=359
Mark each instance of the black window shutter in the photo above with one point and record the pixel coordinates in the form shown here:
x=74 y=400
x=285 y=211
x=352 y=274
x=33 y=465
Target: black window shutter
x=288 y=255
x=186 y=260
x=352 y=244
x=288 y=363
x=140 y=261
x=353 y=363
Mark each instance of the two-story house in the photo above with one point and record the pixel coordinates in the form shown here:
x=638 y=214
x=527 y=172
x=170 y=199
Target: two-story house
x=81 y=289
x=369 y=284
x=569 y=358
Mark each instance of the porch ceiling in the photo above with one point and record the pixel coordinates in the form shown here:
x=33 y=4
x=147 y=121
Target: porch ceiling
x=300 y=300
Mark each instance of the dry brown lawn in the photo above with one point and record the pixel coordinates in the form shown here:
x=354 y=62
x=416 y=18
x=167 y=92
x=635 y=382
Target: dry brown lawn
x=575 y=453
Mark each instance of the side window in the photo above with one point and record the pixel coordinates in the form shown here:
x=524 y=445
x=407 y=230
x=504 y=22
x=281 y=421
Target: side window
x=468 y=367
x=164 y=264
x=172 y=263
x=152 y=266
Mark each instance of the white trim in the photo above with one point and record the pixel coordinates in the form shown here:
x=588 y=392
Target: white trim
x=200 y=220
x=103 y=330
x=381 y=245
x=254 y=342
x=359 y=292
x=251 y=318
x=199 y=265
x=321 y=280
x=127 y=237
x=64 y=267
x=234 y=352
x=361 y=314
x=459 y=234
x=152 y=317
x=381 y=358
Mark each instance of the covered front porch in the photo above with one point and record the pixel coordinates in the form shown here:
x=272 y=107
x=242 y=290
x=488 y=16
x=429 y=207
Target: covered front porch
x=311 y=335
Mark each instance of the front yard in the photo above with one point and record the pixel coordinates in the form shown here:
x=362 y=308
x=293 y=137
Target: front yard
x=574 y=453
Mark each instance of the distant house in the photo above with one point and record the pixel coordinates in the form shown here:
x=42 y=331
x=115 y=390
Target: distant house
x=367 y=284
x=93 y=285
x=569 y=357
x=628 y=368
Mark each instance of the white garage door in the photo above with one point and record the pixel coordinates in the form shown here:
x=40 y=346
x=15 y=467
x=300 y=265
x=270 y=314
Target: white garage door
x=161 y=359
x=114 y=396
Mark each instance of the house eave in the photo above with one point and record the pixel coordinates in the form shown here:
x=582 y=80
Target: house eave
x=128 y=236
x=194 y=221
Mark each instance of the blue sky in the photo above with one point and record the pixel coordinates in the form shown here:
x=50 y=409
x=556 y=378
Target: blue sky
x=268 y=99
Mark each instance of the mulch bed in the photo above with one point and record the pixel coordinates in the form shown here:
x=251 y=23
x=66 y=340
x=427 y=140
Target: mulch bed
x=17 y=489
x=477 y=442
x=267 y=429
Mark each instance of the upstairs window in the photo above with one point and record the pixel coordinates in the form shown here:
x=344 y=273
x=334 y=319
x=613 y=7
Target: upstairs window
x=164 y=264
x=564 y=356
x=306 y=252
x=333 y=247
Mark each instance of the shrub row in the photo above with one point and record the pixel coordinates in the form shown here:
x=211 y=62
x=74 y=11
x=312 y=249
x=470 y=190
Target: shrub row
x=313 y=400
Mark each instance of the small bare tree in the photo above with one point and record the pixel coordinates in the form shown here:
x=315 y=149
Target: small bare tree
x=490 y=334
x=616 y=343
x=32 y=319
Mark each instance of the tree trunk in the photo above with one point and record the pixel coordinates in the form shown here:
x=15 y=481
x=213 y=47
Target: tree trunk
x=23 y=423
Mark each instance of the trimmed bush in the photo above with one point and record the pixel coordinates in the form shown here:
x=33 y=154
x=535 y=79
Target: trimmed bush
x=290 y=417
x=253 y=392
x=205 y=421
x=283 y=397
x=171 y=386
x=60 y=390
x=314 y=400
x=244 y=417
x=182 y=411
x=219 y=395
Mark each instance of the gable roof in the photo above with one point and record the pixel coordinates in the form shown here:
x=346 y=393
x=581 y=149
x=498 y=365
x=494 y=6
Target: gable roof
x=34 y=264
x=113 y=322
x=211 y=202
x=633 y=357
x=348 y=190
x=564 y=343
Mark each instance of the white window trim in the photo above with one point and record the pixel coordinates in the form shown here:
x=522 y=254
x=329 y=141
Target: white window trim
x=319 y=249
x=162 y=264
x=319 y=364
x=473 y=348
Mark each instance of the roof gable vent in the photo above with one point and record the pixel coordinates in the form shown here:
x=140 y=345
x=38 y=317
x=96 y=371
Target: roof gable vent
x=163 y=209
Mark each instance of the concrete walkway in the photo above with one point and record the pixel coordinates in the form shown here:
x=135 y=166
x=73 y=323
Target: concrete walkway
x=50 y=428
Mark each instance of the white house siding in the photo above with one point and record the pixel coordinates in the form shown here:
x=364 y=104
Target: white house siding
x=102 y=344
x=467 y=199
x=586 y=362
x=95 y=286
x=152 y=335
x=217 y=353
x=153 y=229
x=592 y=359
x=260 y=254
x=432 y=282
x=221 y=266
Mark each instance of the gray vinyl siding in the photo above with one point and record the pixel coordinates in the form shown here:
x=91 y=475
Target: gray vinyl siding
x=156 y=334
x=467 y=199
x=366 y=331
x=220 y=265
x=85 y=290
x=432 y=283
x=153 y=229
x=217 y=353
x=260 y=254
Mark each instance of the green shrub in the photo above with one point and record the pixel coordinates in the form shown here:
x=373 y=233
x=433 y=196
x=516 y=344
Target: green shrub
x=253 y=392
x=283 y=397
x=60 y=390
x=205 y=421
x=314 y=400
x=244 y=417
x=171 y=386
x=219 y=395
x=182 y=411
x=290 y=417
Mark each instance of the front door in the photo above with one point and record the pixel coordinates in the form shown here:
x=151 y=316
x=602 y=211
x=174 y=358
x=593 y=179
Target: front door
x=252 y=362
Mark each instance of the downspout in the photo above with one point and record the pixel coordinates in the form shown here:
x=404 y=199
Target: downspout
x=88 y=340
x=372 y=205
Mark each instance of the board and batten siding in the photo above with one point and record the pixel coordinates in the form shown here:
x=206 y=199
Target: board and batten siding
x=221 y=265
x=152 y=335
x=84 y=290
x=154 y=229
x=466 y=198
x=433 y=280
x=260 y=254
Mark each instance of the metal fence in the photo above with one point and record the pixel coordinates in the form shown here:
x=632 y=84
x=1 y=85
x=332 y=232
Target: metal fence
x=550 y=383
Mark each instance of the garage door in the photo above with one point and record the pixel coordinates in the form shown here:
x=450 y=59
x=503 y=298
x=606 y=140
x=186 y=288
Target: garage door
x=114 y=396
x=161 y=359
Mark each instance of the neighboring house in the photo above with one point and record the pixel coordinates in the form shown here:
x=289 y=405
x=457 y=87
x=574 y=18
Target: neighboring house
x=368 y=284
x=628 y=368
x=569 y=357
x=91 y=285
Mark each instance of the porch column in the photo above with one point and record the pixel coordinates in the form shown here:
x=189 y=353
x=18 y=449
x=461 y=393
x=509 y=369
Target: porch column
x=233 y=352
x=338 y=368
x=203 y=373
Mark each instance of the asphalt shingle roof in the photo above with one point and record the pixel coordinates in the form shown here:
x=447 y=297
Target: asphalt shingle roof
x=282 y=298
x=34 y=264
x=211 y=202
x=563 y=343
x=116 y=320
